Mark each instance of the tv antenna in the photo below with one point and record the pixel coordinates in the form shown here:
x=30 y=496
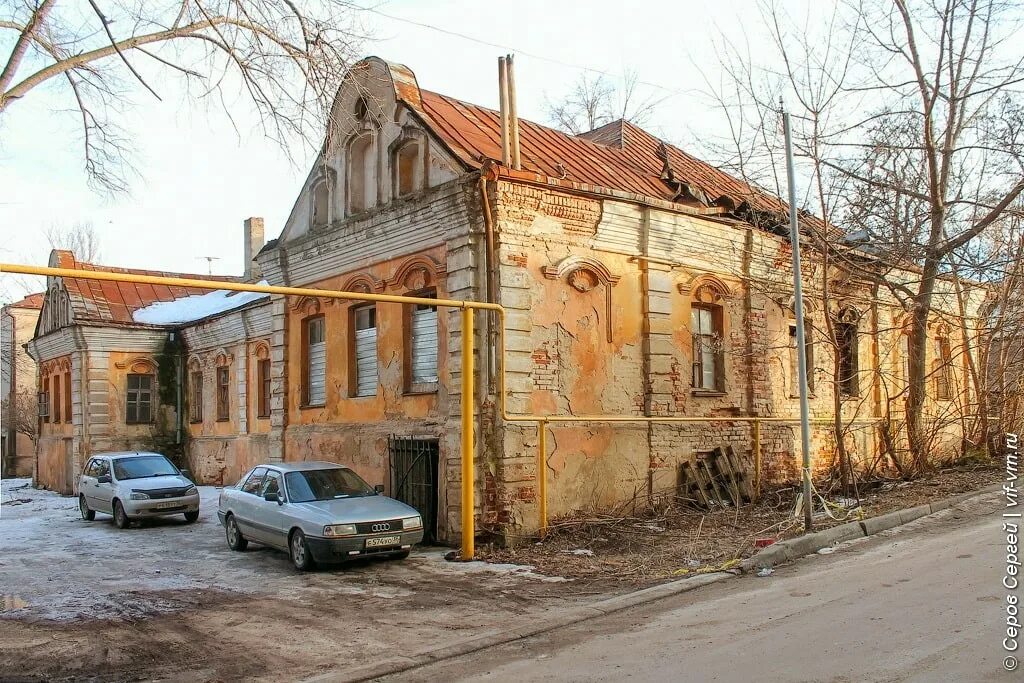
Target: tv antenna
x=209 y=263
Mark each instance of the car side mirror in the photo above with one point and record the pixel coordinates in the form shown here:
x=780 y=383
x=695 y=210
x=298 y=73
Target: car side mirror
x=103 y=479
x=379 y=488
x=272 y=497
x=186 y=474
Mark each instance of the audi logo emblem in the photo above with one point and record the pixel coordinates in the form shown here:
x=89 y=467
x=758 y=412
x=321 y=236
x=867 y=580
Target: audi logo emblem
x=383 y=526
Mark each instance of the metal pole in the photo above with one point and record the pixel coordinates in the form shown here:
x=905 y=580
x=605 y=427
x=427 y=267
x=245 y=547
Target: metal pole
x=468 y=530
x=798 y=306
x=542 y=476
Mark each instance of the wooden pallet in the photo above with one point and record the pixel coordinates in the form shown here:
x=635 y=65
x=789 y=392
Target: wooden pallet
x=717 y=479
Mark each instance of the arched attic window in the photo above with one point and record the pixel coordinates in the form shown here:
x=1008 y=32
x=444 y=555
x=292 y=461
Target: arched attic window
x=362 y=173
x=407 y=163
x=323 y=188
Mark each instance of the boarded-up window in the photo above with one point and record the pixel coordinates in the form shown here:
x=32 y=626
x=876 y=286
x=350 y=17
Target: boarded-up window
x=364 y=324
x=223 y=393
x=943 y=369
x=67 y=397
x=316 y=362
x=794 y=360
x=55 y=394
x=706 y=327
x=263 y=383
x=139 y=399
x=423 y=343
x=195 y=401
x=846 y=337
x=407 y=169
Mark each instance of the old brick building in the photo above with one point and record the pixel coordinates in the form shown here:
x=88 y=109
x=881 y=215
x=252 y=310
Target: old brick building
x=637 y=280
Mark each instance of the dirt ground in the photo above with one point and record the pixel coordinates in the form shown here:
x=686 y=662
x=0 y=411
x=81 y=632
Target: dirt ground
x=169 y=601
x=639 y=550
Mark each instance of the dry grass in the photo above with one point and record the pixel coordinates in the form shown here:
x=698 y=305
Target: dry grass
x=661 y=545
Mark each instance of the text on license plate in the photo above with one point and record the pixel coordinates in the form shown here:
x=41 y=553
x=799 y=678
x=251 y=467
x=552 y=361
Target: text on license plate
x=171 y=504
x=383 y=541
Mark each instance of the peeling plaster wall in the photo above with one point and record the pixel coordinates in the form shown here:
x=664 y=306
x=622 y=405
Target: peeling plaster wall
x=652 y=263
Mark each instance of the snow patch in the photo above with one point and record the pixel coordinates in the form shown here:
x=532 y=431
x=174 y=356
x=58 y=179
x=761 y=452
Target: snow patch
x=195 y=307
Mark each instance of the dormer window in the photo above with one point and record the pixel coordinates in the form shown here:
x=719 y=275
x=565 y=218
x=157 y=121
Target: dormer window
x=361 y=174
x=408 y=169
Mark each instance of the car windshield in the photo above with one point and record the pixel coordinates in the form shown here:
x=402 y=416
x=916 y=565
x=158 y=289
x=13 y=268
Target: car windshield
x=143 y=466
x=329 y=484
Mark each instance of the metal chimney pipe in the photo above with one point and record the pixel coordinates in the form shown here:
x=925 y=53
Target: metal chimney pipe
x=506 y=156
x=512 y=114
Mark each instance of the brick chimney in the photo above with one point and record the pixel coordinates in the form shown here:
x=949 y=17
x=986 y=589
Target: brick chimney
x=253 y=242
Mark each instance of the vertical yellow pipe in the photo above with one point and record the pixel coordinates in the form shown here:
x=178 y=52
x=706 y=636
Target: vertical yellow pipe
x=542 y=476
x=757 y=459
x=468 y=529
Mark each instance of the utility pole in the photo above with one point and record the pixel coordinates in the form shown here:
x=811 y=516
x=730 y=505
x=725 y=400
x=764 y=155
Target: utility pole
x=801 y=349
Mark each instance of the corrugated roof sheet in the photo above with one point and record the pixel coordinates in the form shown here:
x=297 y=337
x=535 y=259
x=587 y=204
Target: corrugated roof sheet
x=114 y=302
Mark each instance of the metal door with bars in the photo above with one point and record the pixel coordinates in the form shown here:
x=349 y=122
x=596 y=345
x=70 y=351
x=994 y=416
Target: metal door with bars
x=414 y=463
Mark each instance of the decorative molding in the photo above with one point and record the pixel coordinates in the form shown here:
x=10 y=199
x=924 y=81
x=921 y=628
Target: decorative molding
x=261 y=349
x=139 y=365
x=705 y=288
x=223 y=357
x=848 y=314
x=311 y=305
x=417 y=272
x=584 y=274
x=363 y=282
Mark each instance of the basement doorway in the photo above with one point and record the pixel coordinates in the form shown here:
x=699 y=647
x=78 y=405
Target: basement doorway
x=414 y=464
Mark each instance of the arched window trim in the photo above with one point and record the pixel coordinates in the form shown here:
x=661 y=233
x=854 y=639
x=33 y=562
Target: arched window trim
x=326 y=182
x=411 y=137
x=368 y=135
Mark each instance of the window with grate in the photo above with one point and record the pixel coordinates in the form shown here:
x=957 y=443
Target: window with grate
x=316 y=362
x=263 y=383
x=195 y=401
x=423 y=343
x=223 y=394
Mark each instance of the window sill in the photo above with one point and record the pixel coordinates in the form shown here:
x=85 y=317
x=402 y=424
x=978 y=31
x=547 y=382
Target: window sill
x=262 y=417
x=195 y=422
x=421 y=389
x=311 y=406
x=223 y=419
x=706 y=393
x=810 y=395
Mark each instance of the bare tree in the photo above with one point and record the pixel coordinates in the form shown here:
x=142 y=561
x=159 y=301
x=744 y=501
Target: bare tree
x=909 y=123
x=286 y=57
x=594 y=101
x=80 y=239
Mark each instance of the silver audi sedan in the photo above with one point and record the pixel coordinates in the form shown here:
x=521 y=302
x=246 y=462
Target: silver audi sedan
x=317 y=512
x=134 y=485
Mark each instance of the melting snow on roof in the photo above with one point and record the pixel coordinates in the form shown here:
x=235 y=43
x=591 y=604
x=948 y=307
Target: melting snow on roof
x=196 y=307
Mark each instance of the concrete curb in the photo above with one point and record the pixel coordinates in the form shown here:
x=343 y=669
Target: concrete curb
x=795 y=548
x=564 y=618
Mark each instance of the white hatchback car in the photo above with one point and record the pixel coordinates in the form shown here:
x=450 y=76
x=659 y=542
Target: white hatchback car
x=134 y=485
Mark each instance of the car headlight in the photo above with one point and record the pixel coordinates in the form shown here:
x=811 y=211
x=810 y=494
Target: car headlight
x=191 y=490
x=340 y=530
x=139 y=495
x=412 y=523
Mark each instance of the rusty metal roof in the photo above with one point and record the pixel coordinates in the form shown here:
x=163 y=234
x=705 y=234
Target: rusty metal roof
x=619 y=156
x=101 y=301
x=34 y=301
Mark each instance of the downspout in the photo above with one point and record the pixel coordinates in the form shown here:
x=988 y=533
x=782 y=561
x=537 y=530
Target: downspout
x=490 y=285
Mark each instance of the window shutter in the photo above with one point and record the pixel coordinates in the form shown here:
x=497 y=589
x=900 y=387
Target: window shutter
x=424 y=345
x=366 y=362
x=317 y=372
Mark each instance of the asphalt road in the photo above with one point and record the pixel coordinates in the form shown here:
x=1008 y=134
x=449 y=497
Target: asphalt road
x=919 y=603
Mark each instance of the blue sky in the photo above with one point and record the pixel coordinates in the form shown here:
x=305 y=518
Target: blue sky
x=199 y=178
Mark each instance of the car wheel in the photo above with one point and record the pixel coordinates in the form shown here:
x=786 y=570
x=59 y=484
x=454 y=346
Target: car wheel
x=120 y=518
x=191 y=516
x=299 y=551
x=400 y=556
x=235 y=539
x=83 y=507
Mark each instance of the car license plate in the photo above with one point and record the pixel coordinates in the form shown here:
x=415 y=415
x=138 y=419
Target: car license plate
x=171 y=504
x=382 y=541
